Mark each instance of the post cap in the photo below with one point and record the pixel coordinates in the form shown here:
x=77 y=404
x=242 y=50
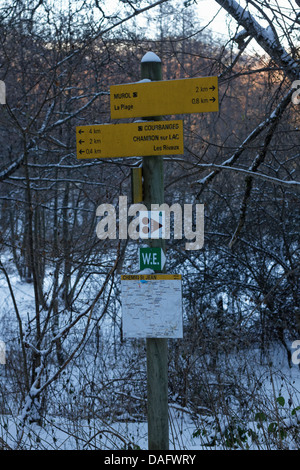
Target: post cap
x=150 y=57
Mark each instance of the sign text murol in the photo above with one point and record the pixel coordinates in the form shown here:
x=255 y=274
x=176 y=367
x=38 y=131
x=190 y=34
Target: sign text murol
x=169 y=97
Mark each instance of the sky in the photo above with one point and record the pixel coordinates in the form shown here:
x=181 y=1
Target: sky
x=207 y=13
x=205 y=10
x=209 y=9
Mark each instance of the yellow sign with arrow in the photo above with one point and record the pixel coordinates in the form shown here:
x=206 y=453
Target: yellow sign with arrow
x=169 y=97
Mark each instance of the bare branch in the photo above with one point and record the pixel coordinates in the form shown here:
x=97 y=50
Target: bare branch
x=264 y=37
x=274 y=116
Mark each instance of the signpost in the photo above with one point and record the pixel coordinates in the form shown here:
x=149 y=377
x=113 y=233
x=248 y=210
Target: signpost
x=130 y=139
x=152 y=258
x=159 y=98
x=150 y=139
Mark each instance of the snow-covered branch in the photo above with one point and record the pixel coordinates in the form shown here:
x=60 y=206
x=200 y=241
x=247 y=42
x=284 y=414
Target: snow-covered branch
x=265 y=37
x=76 y=113
x=12 y=168
x=291 y=184
x=274 y=116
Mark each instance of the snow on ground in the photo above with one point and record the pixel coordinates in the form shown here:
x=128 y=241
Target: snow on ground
x=274 y=421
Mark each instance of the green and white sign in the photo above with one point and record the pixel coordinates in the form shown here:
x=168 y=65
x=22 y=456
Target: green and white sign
x=152 y=258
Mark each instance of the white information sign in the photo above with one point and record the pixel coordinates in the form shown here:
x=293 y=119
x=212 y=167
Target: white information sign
x=152 y=306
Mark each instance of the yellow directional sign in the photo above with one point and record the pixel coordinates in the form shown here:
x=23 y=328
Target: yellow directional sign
x=142 y=99
x=130 y=139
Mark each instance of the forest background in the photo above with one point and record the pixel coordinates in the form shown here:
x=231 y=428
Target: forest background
x=69 y=378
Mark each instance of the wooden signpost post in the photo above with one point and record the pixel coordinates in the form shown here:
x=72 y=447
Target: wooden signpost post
x=151 y=139
x=157 y=348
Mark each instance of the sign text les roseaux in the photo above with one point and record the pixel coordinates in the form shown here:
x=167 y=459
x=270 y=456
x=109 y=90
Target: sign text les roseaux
x=130 y=139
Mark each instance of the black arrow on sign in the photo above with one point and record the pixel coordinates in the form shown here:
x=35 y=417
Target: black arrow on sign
x=81 y=141
x=81 y=151
x=213 y=99
x=81 y=131
x=212 y=88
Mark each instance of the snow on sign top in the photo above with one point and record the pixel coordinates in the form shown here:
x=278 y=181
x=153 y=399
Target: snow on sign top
x=150 y=57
